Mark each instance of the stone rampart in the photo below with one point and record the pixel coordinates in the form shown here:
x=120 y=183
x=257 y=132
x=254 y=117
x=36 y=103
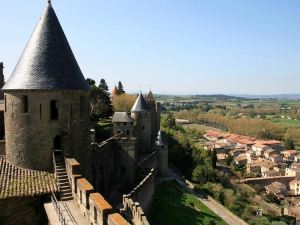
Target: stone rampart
x=263 y=181
x=92 y=204
x=138 y=201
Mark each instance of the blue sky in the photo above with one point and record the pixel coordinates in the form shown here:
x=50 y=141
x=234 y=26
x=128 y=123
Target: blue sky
x=171 y=46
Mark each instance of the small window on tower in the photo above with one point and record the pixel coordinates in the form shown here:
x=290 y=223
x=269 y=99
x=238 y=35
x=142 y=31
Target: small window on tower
x=82 y=104
x=25 y=104
x=54 y=109
x=5 y=104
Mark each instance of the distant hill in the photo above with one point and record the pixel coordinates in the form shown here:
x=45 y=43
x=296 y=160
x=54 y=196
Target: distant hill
x=278 y=96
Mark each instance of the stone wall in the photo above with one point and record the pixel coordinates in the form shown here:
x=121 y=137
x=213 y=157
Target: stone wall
x=139 y=200
x=92 y=204
x=113 y=162
x=25 y=211
x=31 y=133
x=268 y=180
x=2 y=147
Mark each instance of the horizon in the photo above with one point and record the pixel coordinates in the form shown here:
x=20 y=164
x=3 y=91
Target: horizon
x=241 y=47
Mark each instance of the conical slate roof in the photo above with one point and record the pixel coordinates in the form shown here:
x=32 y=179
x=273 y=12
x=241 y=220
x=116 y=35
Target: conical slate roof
x=140 y=105
x=150 y=97
x=47 y=62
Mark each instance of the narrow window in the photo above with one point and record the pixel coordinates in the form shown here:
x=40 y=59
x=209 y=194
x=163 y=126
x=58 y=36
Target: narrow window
x=40 y=111
x=82 y=104
x=5 y=105
x=25 y=103
x=95 y=213
x=71 y=111
x=54 y=109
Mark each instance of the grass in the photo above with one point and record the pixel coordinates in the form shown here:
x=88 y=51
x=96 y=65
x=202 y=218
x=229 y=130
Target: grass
x=173 y=205
x=284 y=122
x=198 y=127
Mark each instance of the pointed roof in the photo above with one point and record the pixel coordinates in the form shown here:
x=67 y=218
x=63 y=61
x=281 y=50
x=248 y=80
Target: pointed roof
x=140 y=104
x=47 y=62
x=150 y=97
x=121 y=117
x=114 y=91
x=161 y=139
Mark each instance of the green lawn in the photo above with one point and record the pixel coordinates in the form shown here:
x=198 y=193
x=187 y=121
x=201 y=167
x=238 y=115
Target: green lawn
x=284 y=122
x=198 y=127
x=174 y=206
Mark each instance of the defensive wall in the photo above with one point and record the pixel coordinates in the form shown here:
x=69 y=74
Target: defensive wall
x=139 y=200
x=91 y=204
x=263 y=181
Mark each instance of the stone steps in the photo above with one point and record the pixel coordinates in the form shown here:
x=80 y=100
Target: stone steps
x=63 y=180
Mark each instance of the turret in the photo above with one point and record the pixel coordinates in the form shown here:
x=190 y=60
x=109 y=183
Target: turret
x=46 y=100
x=141 y=115
x=122 y=123
x=162 y=152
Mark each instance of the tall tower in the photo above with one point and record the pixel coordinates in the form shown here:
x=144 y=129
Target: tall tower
x=140 y=113
x=153 y=111
x=46 y=100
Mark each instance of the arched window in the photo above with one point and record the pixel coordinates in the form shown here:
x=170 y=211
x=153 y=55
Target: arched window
x=54 y=109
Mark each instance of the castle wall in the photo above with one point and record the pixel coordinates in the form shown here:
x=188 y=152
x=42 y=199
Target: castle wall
x=25 y=211
x=139 y=200
x=113 y=162
x=30 y=136
x=144 y=191
x=2 y=147
x=91 y=203
x=127 y=128
x=162 y=158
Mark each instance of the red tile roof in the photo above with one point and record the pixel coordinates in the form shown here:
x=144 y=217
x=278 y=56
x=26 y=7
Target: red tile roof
x=18 y=182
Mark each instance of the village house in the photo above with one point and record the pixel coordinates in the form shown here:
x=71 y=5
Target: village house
x=278 y=189
x=293 y=170
x=270 y=152
x=241 y=160
x=259 y=149
x=289 y=155
x=295 y=187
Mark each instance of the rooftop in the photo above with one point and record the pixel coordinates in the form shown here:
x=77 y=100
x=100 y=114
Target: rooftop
x=47 y=62
x=121 y=117
x=18 y=182
x=140 y=105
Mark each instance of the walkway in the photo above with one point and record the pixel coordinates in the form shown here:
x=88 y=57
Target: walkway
x=70 y=211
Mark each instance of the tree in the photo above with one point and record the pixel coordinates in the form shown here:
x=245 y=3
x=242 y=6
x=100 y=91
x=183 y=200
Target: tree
x=214 y=158
x=120 y=88
x=105 y=106
x=100 y=104
x=289 y=144
x=123 y=103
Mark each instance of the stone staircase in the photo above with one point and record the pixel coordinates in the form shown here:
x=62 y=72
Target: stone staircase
x=62 y=177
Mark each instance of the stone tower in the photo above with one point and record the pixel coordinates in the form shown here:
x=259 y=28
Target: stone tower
x=46 y=100
x=141 y=114
x=153 y=111
x=162 y=151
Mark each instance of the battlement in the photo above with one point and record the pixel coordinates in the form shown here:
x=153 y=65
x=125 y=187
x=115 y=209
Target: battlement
x=92 y=204
x=138 y=201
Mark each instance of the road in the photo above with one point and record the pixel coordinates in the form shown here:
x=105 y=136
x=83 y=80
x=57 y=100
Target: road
x=210 y=203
